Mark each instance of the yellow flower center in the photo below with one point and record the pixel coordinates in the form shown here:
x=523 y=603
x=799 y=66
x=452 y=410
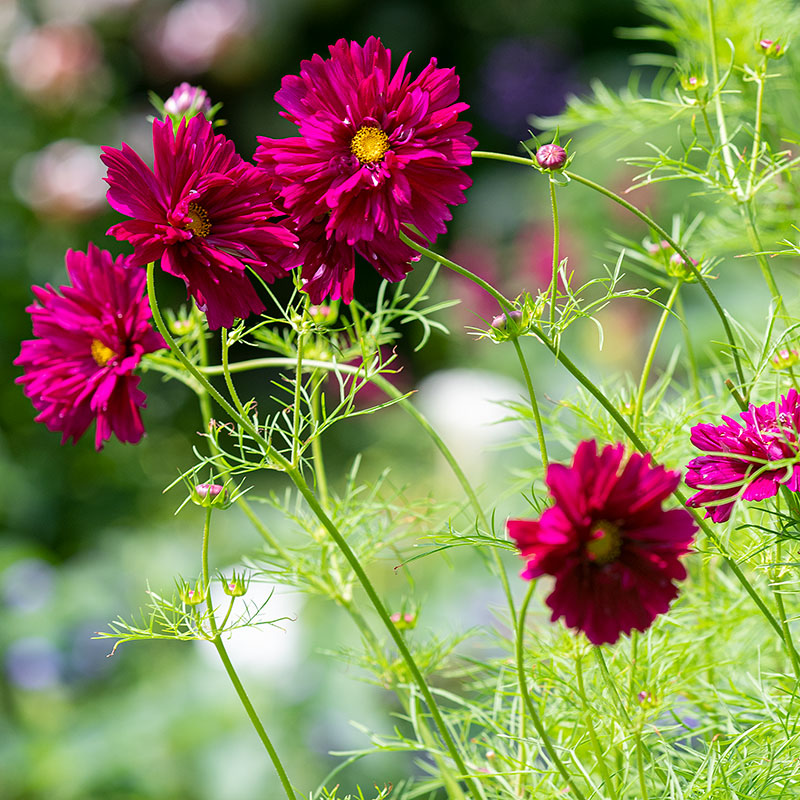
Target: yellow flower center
x=101 y=354
x=605 y=544
x=369 y=144
x=200 y=224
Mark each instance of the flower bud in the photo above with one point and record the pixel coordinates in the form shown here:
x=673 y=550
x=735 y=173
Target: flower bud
x=656 y=247
x=190 y=596
x=785 y=358
x=770 y=48
x=236 y=586
x=210 y=495
x=551 y=156
x=677 y=268
x=691 y=83
x=322 y=315
x=187 y=101
x=500 y=322
x=507 y=326
x=404 y=622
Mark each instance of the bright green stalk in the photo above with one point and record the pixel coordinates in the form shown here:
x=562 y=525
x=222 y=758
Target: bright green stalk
x=757 y=129
x=298 y=382
x=656 y=227
x=316 y=445
x=587 y=718
x=782 y=613
x=534 y=404
x=297 y=478
x=554 y=282
x=749 y=217
x=523 y=687
x=693 y=371
x=227 y=373
x=651 y=353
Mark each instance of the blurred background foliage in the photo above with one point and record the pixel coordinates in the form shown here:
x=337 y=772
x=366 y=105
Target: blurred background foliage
x=82 y=533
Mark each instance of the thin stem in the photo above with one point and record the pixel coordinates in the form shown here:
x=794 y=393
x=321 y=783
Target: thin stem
x=656 y=227
x=298 y=382
x=782 y=613
x=297 y=478
x=587 y=717
x=749 y=217
x=204 y=561
x=554 y=281
x=251 y=713
x=601 y=661
x=504 y=302
x=761 y=80
x=728 y=166
x=651 y=353
x=523 y=686
x=227 y=373
x=316 y=444
x=534 y=404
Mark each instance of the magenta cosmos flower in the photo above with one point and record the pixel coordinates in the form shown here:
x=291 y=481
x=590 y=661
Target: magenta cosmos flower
x=377 y=151
x=205 y=213
x=613 y=551
x=90 y=338
x=741 y=459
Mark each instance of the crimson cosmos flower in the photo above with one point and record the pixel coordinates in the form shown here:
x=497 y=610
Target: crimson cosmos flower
x=739 y=462
x=205 y=213
x=90 y=338
x=613 y=551
x=377 y=151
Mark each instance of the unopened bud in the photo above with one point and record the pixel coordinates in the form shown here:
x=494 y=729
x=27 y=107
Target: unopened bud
x=210 y=495
x=322 y=315
x=500 y=322
x=236 y=586
x=770 y=48
x=656 y=247
x=691 y=83
x=551 y=156
x=785 y=358
x=187 y=101
x=192 y=596
x=404 y=622
x=677 y=268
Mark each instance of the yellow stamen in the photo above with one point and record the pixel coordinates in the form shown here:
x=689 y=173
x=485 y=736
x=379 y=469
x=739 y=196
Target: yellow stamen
x=369 y=145
x=200 y=224
x=605 y=544
x=101 y=354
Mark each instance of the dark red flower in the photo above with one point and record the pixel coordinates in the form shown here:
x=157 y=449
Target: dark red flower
x=91 y=335
x=205 y=213
x=613 y=551
x=749 y=462
x=377 y=151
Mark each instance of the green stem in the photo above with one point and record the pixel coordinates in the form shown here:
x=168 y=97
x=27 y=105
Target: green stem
x=534 y=404
x=651 y=353
x=757 y=130
x=782 y=614
x=656 y=227
x=601 y=661
x=587 y=717
x=298 y=382
x=251 y=713
x=316 y=444
x=523 y=687
x=554 y=282
x=504 y=302
x=227 y=373
x=297 y=478
x=204 y=561
x=728 y=167
x=748 y=215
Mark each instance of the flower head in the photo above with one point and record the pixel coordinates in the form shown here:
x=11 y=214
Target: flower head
x=90 y=338
x=377 y=150
x=613 y=551
x=747 y=462
x=204 y=212
x=551 y=156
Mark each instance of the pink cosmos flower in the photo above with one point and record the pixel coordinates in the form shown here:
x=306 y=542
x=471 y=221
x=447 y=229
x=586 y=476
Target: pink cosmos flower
x=377 y=151
x=613 y=551
x=740 y=457
x=90 y=338
x=205 y=213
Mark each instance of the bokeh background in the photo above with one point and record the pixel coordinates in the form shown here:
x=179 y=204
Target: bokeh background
x=82 y=534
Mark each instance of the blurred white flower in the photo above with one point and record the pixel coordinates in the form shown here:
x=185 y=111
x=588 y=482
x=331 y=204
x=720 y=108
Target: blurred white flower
x=62 y=181
x=82 y=10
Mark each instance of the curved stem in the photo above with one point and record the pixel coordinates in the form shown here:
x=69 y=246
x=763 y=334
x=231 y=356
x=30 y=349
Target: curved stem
x=298 y=382
x=554 y=283
x=656 y=227
x=227 y=373
x=316 y=446
x=504 y=302
x=534 y=404
x=749 y=217
x=296 y=477
x=523 y=687
x=782 y=614
x=651 y=353
x=694 y=374
x=256 y=722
